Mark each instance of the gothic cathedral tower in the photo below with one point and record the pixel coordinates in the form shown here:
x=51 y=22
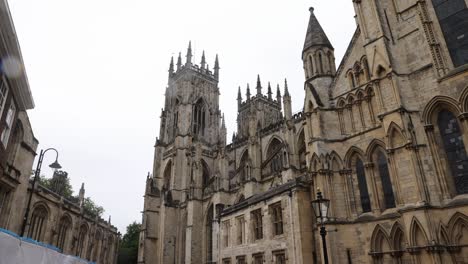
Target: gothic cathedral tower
x=191 y=127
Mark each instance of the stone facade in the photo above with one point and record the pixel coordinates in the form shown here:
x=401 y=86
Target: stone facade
x=53 y=219
x=384 y=136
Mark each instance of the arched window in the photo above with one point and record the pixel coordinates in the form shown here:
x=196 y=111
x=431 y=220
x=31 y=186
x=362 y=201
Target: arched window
x=15 y=142
x=362 y=184
x=199 y=118
x=82 y=241
x=452 y=17
x=302 y=151
x=320 y=63
x=63 y=231
x=455 y=151
x=206 y=175
x=311 y=66
x=274 y=159
x=209 y=235
x=244 y=168
x=167 y=176
x=38 y=223
x=382 y=164
x=352 y=84
x=97 y=242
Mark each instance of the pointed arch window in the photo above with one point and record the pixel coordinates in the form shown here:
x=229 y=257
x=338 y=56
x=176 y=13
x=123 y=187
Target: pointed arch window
x=167 y=176
x=454 y=148
x=81 y=241
x=389 y=198
x=64 y=227
x=362 y=184
x=38 y=223
x=274 y=159
x=311 y=67
x=199 y=118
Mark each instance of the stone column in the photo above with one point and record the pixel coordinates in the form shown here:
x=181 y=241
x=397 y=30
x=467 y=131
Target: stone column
x=395 y=178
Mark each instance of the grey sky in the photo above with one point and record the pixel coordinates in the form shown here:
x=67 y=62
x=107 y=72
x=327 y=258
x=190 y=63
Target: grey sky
x=98 y=70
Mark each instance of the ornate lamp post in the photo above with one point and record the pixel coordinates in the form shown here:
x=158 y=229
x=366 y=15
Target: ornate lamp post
x=320 y=206
x=54 y=165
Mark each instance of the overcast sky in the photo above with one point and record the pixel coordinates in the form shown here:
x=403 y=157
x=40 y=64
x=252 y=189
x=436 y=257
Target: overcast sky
x=98 y=70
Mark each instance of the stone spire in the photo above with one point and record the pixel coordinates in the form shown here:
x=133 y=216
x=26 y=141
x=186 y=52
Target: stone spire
x=189 y=54
x=216 y=68
x=286 y=92
x=287 y=101
x=269 y=91
x=278 y=94
x=81 y=194
x=315 y=35
x=171 y=66
x=223 y=123
x=179 y=62
x=248 y=92
x=239 y=97
x=203 y=61
x=259 y=85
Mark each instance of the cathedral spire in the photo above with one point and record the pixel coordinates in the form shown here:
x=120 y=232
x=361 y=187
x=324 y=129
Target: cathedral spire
x=315 y=35
x=239 y=97
x=248 y=92
x=203 y=61
x=286 y=92
x=179 y=62
x=171 y=66
x=269 y=91
x=278 y=94
x=223 y=123
x=216 y=68
x=189 y=54
x=259 y=85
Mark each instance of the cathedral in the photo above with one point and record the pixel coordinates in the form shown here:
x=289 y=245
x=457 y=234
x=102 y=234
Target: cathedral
x=383 y=135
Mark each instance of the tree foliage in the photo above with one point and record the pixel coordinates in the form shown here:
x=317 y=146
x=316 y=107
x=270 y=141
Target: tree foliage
x=90 y=207
x=128 y=251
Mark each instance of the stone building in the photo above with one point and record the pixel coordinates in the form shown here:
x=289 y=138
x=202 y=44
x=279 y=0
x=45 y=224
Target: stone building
x=384 y=135
x=53 y=219
x=66 y=224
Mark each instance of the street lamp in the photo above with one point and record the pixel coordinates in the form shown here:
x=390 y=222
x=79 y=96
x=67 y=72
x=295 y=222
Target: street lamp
x=320 y=206
x=54 y=165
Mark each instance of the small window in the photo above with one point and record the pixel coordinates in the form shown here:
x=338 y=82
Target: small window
x=227 y=261
x=3 y=95
x=241 y=260
x=240 y=221
x=277 y=218
x=8 y=124
x=257 y=224
x=258 y=258
x=279 y=257
x=226 y=230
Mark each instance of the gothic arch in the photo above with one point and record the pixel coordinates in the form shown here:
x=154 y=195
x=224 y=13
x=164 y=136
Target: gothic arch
x=206 y=174
x=458 y=228
x=273 y=140
x=315 y=164
x=341 y=103
x=65 y=225
x=350 y=77
x=418 y=236
x=398 y=238
x=369 y=90
x=350 y=154
x=301 y=149
x=379 y=240
x=38 y=221
x=350 y=98
x=335 y=161
x=365 y=67
x=360 y=94
x=167 y=175
x=437 y=104
x=395 y=136
x=373 y=146
x=464 y=100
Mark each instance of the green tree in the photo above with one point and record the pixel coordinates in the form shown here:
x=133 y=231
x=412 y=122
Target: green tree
x=90 y=207
x=128 y=251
